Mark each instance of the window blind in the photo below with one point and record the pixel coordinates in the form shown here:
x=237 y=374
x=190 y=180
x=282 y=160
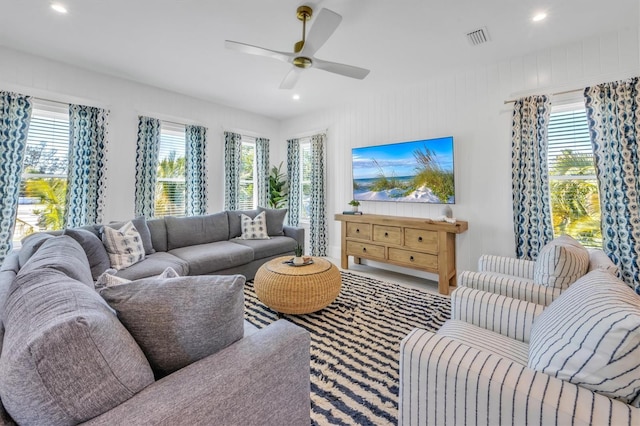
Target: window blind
x=170 y=189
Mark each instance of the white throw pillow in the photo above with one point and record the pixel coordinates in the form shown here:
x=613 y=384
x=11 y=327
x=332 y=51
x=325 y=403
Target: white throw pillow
x=109 y=279
x=590 y=336
x=560 y=263
x=124 y=246
x=254 y=229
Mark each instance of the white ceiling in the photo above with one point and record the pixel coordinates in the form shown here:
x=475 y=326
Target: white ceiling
x=179 y=45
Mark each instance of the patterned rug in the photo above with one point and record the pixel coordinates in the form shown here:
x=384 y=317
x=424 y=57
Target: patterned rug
x=355 y=344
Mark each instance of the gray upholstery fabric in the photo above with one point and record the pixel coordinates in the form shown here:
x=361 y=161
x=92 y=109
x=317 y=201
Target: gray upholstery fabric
x=271 y=247
x=87 y=363
x=140 y=223
x=154 y=264
x=177 y=321
x=11 y=262
x=275 y=220
x=212 y=257
x=93 y=248
x=295 y=233
x=235 y=228
x=249 y=328
x=262 y=379
x=63 y=254
x=194 y=230
x=30 y=245
x=158 y=230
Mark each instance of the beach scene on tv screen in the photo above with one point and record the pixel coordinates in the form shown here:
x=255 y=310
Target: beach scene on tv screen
x=416 y=172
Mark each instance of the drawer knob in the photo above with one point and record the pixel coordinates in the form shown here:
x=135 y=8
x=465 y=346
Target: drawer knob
x=357 y=230
x=364 y=249
x=420 y=239
x=411 y=258
x=386 y=234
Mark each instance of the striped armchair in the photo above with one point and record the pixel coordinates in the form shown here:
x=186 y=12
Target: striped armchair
x=474 y=371
x=515 y=277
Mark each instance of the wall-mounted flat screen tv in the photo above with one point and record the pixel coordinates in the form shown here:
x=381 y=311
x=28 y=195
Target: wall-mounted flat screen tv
x=414 y=172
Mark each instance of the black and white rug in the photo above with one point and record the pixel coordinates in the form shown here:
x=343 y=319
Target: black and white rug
x=355 y=344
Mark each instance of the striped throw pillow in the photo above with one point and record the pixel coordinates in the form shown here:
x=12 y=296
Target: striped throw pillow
x=560 y=263
x=124 y=246
x=590 y=336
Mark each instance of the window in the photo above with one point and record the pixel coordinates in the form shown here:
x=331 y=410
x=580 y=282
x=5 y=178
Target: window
x=247 y=199
x=305 y=179
x=43 y=187
x=170 y=185
x=575 y=204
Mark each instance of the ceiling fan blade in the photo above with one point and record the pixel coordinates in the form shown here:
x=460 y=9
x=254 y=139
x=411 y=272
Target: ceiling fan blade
x=260 y=51
x=325 y=24
x=291 y=78
x=342 y=69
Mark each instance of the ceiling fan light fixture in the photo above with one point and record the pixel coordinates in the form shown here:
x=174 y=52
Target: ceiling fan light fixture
x=302 y=62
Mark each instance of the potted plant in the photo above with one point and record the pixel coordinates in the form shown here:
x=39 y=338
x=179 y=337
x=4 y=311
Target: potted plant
x=298 y=251
x=354 y=205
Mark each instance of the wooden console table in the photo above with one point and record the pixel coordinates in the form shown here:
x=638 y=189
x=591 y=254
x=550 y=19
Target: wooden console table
x=422 y=244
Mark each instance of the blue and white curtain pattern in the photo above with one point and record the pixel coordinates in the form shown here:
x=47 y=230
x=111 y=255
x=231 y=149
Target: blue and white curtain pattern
x=146 y=166
x=232 y=165
x=318 y=219
x=15 y=116
x=613 y=114
x=88 y=130
x=530 y=176
x=293 y=177
x=196 y=170
x=262 y=171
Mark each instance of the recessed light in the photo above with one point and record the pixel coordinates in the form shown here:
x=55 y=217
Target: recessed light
x=59 y=8
x=539 y=17
x=296 y=97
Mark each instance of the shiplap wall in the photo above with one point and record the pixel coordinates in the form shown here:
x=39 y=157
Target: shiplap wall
x=126 y=100
x=470 y=106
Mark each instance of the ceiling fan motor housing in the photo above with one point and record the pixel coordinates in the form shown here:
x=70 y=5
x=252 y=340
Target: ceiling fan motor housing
x=302 y=62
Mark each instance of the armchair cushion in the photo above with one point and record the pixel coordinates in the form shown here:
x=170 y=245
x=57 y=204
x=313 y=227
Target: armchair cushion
x=590 y=336
x=560 y=263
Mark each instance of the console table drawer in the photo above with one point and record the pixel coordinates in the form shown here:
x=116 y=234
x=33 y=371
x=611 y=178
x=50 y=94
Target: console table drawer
x=414 y=258
x=365 y=250
x=387 y=234
x=359 y=230
x=421 y=239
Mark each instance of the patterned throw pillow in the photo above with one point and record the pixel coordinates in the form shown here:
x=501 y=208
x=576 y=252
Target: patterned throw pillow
x=124 y=246
x=254 y=229
x=560 y=263
x=589 y=336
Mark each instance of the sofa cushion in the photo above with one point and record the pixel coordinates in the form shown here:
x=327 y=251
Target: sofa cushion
x=124 y=245
x=235 y=229
x=140 y=223
x=212 y=257
x=253 y=229
x=158 y=230
x=194 y=230
x=598 y=259
x=154 y=264
x=66 y=358
x=30 y=245
x=269 y=248
x=62 y=254
x=590 y=336
x=177 y=321
x=560 y=263
x=93 y=248
x=110 y=279
x=275 y=220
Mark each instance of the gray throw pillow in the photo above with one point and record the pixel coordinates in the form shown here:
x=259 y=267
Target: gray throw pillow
x=30 y=245
x=177 y=321
x=93 y=248
x=140 y=223
x=275 y=220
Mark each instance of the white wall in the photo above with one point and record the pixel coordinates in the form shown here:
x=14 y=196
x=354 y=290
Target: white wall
x=470 y=106
x=126 y=100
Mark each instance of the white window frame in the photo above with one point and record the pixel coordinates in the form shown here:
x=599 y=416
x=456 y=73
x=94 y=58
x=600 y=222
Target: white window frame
x=174 y=130
x=305 y=144
x=250 y=141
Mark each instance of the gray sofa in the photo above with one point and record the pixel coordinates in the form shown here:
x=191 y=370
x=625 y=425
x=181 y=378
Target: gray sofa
x=68 y=357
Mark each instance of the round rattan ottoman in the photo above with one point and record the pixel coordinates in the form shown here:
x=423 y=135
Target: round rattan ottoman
x=297 y=289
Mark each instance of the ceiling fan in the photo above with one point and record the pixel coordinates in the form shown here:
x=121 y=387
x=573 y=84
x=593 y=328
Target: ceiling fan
x=302 y=57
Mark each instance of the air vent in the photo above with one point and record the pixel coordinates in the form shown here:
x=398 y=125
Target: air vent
x=478 y=36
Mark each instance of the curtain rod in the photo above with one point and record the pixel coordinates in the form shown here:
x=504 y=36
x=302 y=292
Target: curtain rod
x=553 y=94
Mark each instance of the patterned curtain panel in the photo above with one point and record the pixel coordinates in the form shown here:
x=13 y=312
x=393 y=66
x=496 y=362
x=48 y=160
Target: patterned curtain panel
x=530 y=176
x=146 y=166
x=318 y=219
x=613 y=114
x=15 y=115
x=196 y=165
x=86 y=175
x=262 y=171
x=293 y=177
x=232 y=163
